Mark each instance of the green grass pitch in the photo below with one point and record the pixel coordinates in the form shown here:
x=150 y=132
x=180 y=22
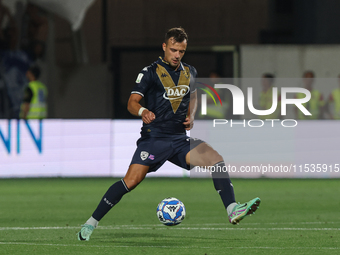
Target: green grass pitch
x=42 y=216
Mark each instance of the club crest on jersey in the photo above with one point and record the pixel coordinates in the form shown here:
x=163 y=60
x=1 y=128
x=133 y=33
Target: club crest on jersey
x=177 y=92
x=144 y=155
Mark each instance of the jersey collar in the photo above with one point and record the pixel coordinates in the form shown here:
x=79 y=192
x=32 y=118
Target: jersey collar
x=162 y=61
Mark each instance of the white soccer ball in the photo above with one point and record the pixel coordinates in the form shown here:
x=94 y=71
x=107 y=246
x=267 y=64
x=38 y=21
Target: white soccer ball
x=170 y=211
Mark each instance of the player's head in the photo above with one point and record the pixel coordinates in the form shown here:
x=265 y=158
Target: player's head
x=177 y=34
x=267 y=80
x=174 y=46
x=308 y=74
x=308 y=79
x=33 y=73
x=214 y=76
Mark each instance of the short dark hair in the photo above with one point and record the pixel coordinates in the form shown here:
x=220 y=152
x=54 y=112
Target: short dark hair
x=35 y=70
x=270 y=77
x=308 y=72
x=178 y=33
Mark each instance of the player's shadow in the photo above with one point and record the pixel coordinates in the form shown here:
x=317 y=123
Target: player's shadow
x=117 y=236
x=136 y=239
x=139 y=239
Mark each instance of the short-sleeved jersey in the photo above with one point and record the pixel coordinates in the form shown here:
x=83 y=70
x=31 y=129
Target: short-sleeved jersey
x=167 y=94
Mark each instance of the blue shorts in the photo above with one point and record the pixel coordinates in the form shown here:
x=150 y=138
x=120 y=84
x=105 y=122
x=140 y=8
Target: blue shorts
x=153 y=152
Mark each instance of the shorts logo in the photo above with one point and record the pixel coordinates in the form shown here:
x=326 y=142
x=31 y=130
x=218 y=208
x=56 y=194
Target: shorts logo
x=152 y=157
x=144 y=155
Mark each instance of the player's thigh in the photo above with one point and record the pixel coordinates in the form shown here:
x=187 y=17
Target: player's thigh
x=203 y=155
x=135 y=174
x=182 y=144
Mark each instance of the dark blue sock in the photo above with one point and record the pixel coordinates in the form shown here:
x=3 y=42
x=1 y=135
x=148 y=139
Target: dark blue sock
x=223 y=184
x=111 y=197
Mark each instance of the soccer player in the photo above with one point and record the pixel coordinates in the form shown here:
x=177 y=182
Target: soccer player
x=334 y=103
x=316 y=104
x=34 y=104
x=167 y=86
x=266 y=97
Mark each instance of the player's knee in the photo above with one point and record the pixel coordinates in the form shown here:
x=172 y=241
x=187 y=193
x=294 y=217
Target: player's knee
x=206 y=155
x=217 y=159
x=132 y=183
x=214 y=158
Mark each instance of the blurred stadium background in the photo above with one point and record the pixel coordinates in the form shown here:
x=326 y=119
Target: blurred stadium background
x=94 y=50
x=92 y=53
x=104 y=52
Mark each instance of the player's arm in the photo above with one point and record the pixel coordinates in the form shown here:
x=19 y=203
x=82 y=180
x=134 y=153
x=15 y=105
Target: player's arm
x=26 y=104
x=189 y=120
x=296 y=109
x=25 y=110
x=321 y=107
x=328 y=112
x=135 y=108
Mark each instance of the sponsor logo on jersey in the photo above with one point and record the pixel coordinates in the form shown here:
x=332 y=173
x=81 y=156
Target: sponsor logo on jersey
x=139 y=78
x=176 y=92
x=144 y=155
x=173 y=92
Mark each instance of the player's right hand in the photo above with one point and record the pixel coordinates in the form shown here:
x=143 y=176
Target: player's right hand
x=148 y=116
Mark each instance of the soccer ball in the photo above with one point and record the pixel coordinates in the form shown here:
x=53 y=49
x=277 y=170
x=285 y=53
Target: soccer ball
x=170 y=211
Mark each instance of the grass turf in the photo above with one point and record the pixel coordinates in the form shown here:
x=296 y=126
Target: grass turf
x=42 y=216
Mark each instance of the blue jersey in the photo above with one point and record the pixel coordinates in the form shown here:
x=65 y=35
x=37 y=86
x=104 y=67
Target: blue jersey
x=167 y=94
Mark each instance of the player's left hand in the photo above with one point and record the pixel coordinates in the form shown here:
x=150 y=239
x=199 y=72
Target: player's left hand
x=188 y=123
x=148 y=116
